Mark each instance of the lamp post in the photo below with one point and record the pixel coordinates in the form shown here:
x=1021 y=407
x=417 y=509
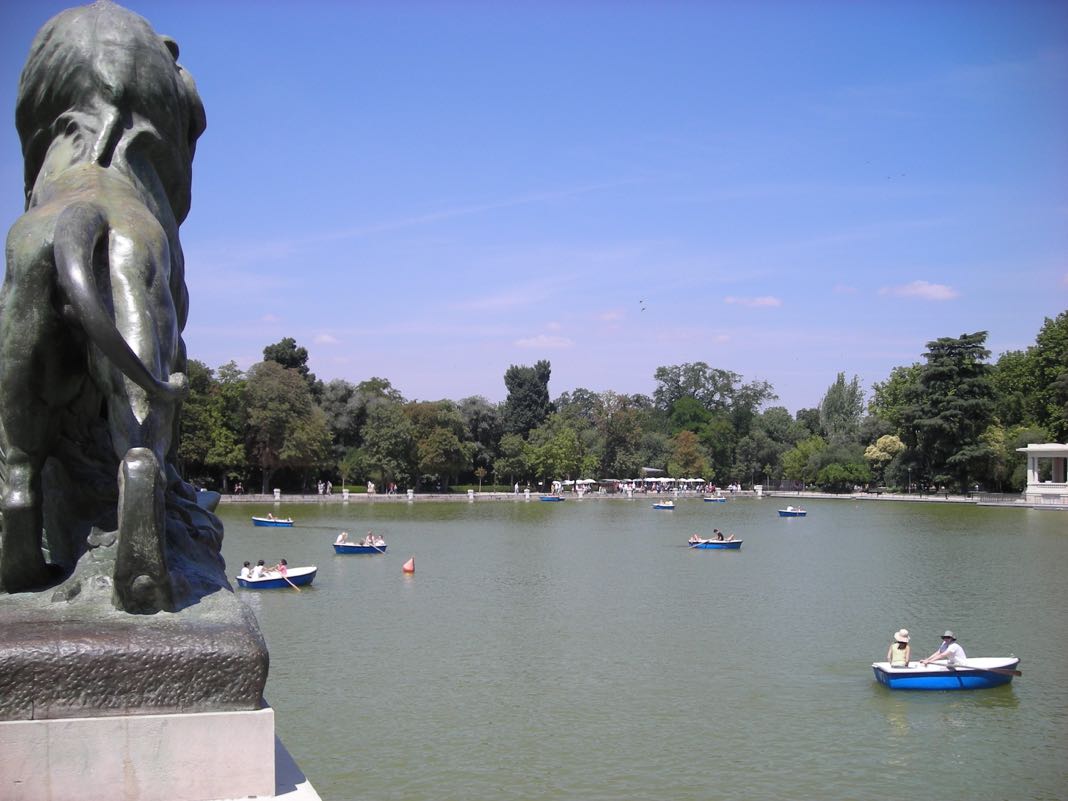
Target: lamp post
x=910 y=482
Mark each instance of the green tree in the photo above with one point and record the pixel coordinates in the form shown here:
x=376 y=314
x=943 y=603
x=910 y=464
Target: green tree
x=388 y=445
x=688 y=457
x=890 y=398
x=802 y=462
x=512 y=461
x=841 y=408
x=285 y=427
x=950 y=406
x=880 y=453
x=527 y=405
x=211 y=443
x=1049 y=359
x=287 y=353
x=619 y=424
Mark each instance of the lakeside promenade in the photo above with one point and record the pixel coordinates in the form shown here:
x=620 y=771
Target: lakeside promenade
x=979 y=498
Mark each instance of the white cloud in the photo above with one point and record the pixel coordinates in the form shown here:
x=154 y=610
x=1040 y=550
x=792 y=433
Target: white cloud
x=545 y=341
x=922 y=290
x=1065 y=279
x=615 y=314
x=271 y=318
x=763 y=301
x=843 y=289
x=327 y=339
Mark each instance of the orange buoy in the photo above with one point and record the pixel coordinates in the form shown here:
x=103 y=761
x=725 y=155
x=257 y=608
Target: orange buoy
x=409 y=566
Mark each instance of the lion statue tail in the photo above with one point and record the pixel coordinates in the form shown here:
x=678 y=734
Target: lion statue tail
x=77 y=234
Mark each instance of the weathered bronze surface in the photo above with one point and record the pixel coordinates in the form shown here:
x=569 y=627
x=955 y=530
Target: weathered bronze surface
x=99 y=530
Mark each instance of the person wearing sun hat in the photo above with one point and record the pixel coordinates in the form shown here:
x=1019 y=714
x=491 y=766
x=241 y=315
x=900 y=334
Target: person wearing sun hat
x=900 y=651
x=949 y=650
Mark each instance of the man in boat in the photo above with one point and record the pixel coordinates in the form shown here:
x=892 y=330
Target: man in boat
x=258 y=570
x=342 y=538
x=950 y=651
x=719 y=534
x=246 y=571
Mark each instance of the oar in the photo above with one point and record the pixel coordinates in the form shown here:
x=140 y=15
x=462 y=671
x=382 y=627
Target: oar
x=290 y=583
x=376 y=547
x=1003 y=671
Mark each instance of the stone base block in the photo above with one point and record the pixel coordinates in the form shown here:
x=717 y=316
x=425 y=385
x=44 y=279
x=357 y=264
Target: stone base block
x=188 y=757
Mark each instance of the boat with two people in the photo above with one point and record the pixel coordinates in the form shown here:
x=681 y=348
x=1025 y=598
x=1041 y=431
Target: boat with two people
x=714 y=499
x=792 y=511
x=664 y=505
x=971 y=674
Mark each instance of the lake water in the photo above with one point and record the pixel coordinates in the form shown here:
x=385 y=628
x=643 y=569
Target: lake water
x=580 y=650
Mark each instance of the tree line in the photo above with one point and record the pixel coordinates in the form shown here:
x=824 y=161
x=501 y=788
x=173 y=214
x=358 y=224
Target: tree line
x=952 y=420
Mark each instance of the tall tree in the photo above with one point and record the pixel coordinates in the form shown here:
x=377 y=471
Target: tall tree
x=287 y=353
x=527 y=405
x=285 y=427
x=949 y=408
x=841 y=408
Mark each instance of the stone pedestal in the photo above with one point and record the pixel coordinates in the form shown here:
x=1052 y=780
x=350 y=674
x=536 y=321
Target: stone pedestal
x=197 y=757
x=83 y=658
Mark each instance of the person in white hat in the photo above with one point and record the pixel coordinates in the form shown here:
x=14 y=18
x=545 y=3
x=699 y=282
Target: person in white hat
x=900 y=651
x=949 y=650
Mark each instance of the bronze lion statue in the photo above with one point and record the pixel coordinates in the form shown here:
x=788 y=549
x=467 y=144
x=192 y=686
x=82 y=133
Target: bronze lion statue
x=91 y=313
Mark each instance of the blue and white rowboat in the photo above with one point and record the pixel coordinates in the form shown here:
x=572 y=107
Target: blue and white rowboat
x=272 y=522
x=664 y=505
x=714 y=499
x=352 y=547
x=551 y=499
x=298 y=576
x=790 y=511
x=717 y=545
x=972 y=674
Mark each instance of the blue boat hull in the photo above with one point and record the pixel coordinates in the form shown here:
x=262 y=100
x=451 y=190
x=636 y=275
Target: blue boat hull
x=715 y=500
x=668 y=506
x=943 y=678
x=265 y=522
x=785 y=513
x=550 y=499
x=368 y=549
x=299 y=577
x=733 y=545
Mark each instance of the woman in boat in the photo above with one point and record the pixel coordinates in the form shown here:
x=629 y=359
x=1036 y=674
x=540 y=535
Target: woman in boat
x=900 y=651
x=719 y=535
x=949 y=650
x=694 y=538
x=246 y=571
x=258 y=570
x=342 y=538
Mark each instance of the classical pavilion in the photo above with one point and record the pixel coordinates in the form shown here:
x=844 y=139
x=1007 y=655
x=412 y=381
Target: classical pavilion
x=1048 y=460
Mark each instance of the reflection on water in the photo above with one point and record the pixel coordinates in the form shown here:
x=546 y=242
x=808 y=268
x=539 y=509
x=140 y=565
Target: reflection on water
x=581 y=650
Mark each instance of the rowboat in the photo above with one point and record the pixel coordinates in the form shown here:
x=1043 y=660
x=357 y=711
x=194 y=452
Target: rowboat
x=273 y=522
x=972 y=674
x=714 y=499
x=352 y=547
x=791 y=511
x=551 y=498
x=273 y=580
x=664 y=505
x=725 y=545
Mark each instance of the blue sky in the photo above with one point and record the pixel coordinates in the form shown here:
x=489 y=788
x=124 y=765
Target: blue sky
x=430 y=192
